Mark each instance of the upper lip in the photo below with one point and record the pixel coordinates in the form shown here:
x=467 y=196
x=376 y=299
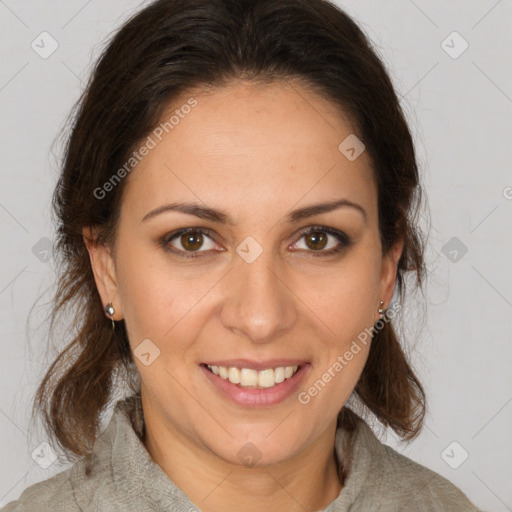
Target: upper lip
x=256 y=365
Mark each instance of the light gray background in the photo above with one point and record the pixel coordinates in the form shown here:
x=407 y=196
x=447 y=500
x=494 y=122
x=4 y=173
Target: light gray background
x=460 y=112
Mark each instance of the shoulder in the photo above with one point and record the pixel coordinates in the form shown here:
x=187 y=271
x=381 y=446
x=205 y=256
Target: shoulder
x=74 y=488
x=55 y=494
x=416 y=487
x=381 y=478
x=109 y=476
x=88 y=481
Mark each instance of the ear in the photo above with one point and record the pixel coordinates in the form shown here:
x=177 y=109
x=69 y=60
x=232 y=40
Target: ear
x=103 y=268
x=389 y=271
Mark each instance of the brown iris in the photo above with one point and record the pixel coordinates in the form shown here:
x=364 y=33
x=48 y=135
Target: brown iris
x=316 y=240
x=192 y=241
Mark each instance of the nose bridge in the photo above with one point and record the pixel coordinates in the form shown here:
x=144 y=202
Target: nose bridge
x=258 y=304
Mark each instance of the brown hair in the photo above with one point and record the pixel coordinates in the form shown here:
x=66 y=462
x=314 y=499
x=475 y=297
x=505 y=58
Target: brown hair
x=170 y=47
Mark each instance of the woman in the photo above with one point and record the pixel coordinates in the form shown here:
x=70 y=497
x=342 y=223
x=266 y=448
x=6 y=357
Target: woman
x=236 y=210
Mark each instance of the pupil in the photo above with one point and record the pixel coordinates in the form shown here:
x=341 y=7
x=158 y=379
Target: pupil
x=316 y=238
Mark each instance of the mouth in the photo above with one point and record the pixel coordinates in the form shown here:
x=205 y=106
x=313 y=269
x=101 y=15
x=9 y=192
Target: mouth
x=254 y=379
x=255 y=384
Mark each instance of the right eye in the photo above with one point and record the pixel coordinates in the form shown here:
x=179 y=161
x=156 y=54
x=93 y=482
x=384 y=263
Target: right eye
x=189 y=240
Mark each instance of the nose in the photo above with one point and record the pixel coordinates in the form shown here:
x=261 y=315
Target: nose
x=258 y=303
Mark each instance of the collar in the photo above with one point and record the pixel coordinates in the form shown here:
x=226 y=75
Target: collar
x=121 y=471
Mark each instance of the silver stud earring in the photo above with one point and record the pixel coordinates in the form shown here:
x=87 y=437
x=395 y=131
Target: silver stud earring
x=382 y=311
x=109 y=311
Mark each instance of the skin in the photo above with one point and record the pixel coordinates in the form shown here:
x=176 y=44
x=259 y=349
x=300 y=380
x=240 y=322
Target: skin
x=256 y=152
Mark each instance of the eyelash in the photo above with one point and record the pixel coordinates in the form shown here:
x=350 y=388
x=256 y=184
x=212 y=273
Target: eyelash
x=342 y=237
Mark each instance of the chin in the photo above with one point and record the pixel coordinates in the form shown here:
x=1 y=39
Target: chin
x=257 y=449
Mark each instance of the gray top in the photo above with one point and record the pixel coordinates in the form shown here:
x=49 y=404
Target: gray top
x=120 y=476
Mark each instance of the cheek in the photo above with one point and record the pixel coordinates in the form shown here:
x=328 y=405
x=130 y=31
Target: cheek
x=161 y=301
x=346 y=297
x=149 y=297
x=345 y=305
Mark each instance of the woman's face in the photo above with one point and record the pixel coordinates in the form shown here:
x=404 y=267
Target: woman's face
x=246 y=288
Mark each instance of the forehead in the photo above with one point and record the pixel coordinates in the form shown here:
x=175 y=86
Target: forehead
x=250 y=148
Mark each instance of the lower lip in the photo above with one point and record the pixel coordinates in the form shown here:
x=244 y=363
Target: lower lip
x=252 y=397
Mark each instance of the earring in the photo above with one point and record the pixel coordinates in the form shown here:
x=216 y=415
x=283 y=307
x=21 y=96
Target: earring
x=109 y=311
x=382 y=311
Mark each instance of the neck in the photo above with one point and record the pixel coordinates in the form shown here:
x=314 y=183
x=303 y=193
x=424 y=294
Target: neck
x=307 y=482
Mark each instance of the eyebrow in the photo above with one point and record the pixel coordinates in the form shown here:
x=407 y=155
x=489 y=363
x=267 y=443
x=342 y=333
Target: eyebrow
x=223 y=218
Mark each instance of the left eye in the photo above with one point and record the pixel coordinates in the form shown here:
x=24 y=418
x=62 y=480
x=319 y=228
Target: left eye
x=316 y=239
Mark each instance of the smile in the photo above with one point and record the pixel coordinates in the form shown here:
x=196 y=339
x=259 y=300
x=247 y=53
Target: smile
x=251 y=384
x=254 y=379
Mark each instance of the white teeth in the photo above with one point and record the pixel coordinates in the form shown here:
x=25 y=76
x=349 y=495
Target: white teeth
x=266 y=378
x=234 y=375
x=279 y=375
x=247 y=377
x=289 y=371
